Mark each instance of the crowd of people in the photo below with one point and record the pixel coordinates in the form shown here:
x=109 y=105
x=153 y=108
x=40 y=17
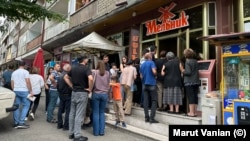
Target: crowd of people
x=156 y=84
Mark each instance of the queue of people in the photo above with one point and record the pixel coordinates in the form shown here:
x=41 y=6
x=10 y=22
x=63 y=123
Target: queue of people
x=150 y=83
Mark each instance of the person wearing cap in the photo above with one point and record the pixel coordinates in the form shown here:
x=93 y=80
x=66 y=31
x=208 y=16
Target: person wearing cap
x=20 y=84
x=80 y=79
x=172 y=93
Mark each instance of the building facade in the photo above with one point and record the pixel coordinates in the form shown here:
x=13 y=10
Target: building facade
x=171 y=25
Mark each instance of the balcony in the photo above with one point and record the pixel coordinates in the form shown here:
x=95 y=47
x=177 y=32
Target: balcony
x=34 y=43
x=55 y=29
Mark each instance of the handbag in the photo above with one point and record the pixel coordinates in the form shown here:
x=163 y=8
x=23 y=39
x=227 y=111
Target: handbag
x=90 y=94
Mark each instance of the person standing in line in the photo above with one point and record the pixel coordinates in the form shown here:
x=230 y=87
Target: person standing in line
x=99 y=98
x=53 y=93
x=159 y=64
x=47 y=87
x=128 y=76
x=122 y=66
x=107 y=68
x=37 y=83
x=191 y=81
x=7 y=77
x=138 y=84
x=20 y=83
x=65 y=99
x=81 y=83
x=148 y=73
x=172 y=94
x=117 y=101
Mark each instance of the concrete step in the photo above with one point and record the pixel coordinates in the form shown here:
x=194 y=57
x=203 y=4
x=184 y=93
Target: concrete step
x=142 y=132
x=165 y=117
x=139 y=122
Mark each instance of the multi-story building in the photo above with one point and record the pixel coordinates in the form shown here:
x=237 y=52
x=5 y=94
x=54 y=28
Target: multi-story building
x=172 y=25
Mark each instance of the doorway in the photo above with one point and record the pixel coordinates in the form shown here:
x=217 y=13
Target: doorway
x=169 y=44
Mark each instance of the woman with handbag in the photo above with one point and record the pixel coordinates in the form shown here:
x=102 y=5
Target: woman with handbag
x=99 y=98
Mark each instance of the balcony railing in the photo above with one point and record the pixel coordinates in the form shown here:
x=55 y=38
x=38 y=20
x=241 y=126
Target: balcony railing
x=55 y=29
x=34 y=43
x=93 y=10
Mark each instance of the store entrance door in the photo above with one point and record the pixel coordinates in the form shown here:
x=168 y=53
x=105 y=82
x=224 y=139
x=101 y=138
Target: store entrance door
x=169 y=44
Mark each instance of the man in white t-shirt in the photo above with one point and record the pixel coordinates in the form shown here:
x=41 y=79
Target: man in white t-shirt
x=20 y=83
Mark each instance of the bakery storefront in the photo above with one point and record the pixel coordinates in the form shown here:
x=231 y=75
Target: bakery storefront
x=176 y=30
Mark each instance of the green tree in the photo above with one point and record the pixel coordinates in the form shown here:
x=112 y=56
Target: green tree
x=25 y=10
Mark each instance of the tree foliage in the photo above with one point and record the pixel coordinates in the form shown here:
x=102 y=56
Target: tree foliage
x=26 y=10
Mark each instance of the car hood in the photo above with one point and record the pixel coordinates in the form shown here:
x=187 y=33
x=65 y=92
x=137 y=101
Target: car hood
x=6 y=93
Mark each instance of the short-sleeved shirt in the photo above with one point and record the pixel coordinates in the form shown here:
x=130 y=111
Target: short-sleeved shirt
x=116 y=91
x=148 y=78
x=19 y=76
x=55 y=74
x=79 y=77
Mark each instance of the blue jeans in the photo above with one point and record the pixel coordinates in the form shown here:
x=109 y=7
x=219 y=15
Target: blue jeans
x=98 y=106
x=53 y=95
x=21 y=99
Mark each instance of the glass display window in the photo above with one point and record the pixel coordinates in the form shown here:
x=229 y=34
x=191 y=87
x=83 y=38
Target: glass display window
x=236 y=77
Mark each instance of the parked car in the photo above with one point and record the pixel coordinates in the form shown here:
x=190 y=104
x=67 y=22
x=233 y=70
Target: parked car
x=7 y=98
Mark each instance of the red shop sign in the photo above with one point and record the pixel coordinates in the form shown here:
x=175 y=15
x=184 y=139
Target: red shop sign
x=167 y=21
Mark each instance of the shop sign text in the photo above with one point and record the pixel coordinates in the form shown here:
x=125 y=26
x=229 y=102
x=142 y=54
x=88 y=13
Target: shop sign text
x=135 y=46
x=166 y=21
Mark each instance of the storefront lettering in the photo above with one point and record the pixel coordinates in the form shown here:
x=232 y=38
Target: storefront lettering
x=135 y=46
x=166 y=20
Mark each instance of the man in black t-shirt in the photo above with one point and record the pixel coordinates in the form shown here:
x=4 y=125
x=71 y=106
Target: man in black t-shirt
x=159 y=63
x=81 y=84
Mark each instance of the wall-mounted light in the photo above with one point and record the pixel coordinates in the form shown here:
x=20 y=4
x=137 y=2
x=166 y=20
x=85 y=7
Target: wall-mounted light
x=134 y=14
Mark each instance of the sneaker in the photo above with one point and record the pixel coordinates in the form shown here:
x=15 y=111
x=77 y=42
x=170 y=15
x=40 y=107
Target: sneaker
x=117 y=123
x=124 y=124
x=32 y=116
x=26 y=119
x=81 y=138
x=23 y=126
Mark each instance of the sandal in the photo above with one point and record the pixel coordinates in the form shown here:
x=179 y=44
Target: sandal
x=170 y=112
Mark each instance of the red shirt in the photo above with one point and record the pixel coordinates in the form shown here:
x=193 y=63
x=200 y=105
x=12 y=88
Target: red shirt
x=116 y=91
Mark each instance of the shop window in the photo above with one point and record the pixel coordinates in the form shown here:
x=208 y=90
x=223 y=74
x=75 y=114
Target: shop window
x=169 y=44
x=211 y=14
x=195 y=44
x=247 y=26
x=195 y=17
x=236 y=15
x=212 y=48
x=183 y=44
x=246 y=7
x=147 y=44
x=144 y=32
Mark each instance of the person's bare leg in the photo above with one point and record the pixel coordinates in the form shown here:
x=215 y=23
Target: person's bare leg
x=171 y=106
x=177 y=108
